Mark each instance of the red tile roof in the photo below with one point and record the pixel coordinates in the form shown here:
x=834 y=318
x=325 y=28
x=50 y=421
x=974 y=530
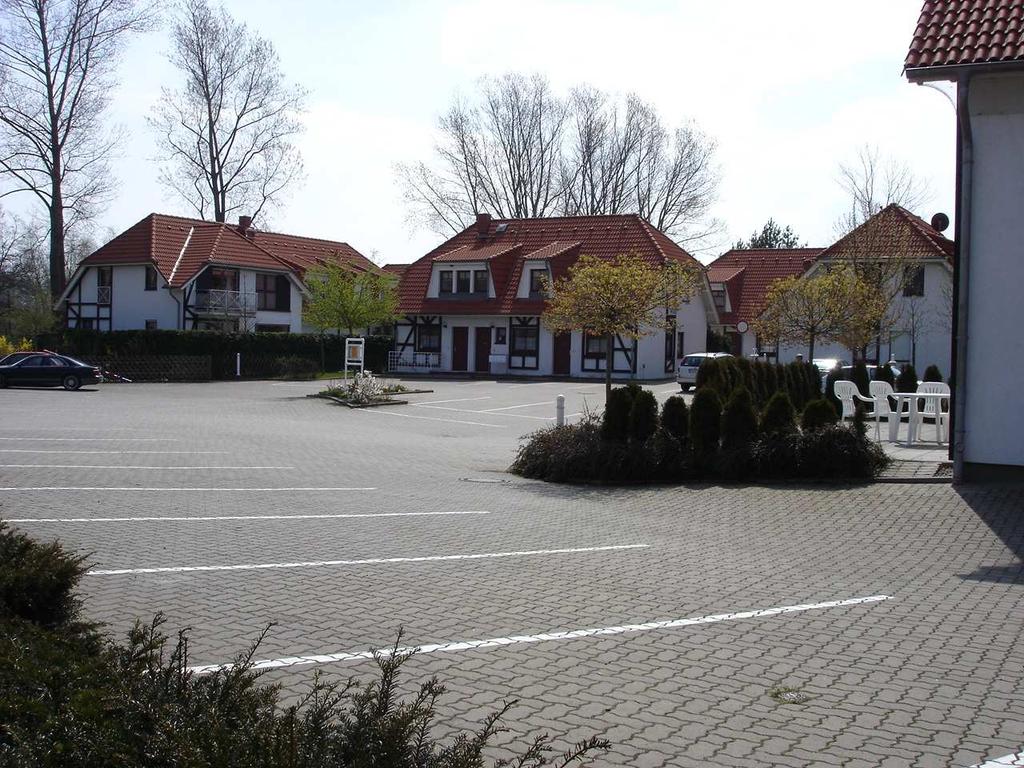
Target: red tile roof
x=747 y=273
x=893 y=229
x=477 y=251
x=559 y=240
x=956 y=33
x=180 y=247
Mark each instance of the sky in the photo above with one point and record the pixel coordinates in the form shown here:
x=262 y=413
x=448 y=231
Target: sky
x=789 y=89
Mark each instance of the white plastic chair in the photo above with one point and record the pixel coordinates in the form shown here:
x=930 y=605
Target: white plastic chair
x=933 y=408
x=847 y=391
x=881 y=391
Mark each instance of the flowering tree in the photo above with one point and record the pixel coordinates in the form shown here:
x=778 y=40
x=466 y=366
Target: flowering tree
x=832 y=305
x=626 y=297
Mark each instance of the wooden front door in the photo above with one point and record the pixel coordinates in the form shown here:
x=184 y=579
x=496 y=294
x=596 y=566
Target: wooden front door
x=460 y=348
x=482 y=350
x=562 y=350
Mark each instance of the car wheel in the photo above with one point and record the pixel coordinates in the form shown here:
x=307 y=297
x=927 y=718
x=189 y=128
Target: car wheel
x=71 y=383
x=683 y=387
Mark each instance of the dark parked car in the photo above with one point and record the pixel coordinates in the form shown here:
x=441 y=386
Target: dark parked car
x=46 y=370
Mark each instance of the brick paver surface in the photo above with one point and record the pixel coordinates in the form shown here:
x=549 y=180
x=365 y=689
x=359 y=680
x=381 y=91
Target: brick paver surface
x=930 y=677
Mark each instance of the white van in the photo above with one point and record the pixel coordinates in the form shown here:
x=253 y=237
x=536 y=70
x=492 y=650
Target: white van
x=686 y=374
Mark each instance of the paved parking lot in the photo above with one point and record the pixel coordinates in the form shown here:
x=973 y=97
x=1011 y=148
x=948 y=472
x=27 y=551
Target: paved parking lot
x=663 y=618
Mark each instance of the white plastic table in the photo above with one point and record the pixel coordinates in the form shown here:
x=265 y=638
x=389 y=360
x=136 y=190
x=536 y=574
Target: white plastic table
x=912 y=397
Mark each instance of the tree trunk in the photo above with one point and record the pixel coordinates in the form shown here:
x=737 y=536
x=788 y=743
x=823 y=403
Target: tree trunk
x=609 y=360
x=810 y=349
x=57 y=257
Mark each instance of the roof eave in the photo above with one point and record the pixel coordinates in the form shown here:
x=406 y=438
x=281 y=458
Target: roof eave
x=956 y=71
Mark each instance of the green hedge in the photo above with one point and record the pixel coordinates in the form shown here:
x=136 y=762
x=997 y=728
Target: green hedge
x=221 y=347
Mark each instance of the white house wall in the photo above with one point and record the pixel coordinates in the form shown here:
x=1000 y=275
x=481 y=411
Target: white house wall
x=994 y=418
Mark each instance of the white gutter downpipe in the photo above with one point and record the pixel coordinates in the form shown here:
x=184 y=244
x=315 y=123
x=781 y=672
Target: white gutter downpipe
x=963 y=266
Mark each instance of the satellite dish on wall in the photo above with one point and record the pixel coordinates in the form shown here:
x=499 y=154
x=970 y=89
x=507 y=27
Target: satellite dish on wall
x=940 y=222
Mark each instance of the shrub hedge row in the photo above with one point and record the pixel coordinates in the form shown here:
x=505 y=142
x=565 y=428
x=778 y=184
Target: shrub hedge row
x=800 y=381
x=221 y=347
x=705 y=441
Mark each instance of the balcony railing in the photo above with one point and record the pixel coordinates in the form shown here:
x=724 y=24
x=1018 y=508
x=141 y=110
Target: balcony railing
x=221 y=302
x=413 y=361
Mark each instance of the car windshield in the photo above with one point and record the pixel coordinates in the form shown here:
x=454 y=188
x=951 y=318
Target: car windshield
x=692 y=361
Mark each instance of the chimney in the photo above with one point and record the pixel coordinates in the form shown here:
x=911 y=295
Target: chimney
x=244 y=225
x=483 y=225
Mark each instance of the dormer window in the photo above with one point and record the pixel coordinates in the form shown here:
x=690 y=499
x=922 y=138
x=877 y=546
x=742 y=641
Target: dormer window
x=462 y=278
x=718 y=294
x=480 y=281
x=446 y=281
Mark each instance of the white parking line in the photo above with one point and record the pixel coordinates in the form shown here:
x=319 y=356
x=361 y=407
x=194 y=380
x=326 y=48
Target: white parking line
x=513 y=407
x=502 y=642
x=95 y=439
x=234 y=517
x=465 y=410
x=381 y=412
x=456 y=400
x=125 y=466
x=1016 y=759
x=147 y=489
x=133 y=453
x=368 y=561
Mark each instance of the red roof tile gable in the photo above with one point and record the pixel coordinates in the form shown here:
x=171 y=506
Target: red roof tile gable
x=561 y=240
x=959 y=33
x=747 y=274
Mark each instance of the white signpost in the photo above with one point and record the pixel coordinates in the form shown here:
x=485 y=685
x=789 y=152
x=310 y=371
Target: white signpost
x=354 y=354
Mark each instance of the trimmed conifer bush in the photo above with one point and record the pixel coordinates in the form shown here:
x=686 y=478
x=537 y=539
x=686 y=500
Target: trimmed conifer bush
x=771 y=381
x=675 y=417
x=739 y=420
x=643 y=416
x=907 y=380
x=746 y=374
x=705 y=422
x=818 y=414
x=615 y=425
x=830 y=389
x=932 y=373
x=813 y=380
x=708 y=373
x=885 y=373
x=778 y=416
x=859 y=376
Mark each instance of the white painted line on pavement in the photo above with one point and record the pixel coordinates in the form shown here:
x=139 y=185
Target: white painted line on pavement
x=1016 y=759
x=133 y=453
x=456 y=400
x=96 y=439
x=501 y=642
x=382 y=412
x=119 y=466
x=202 y=490
x=513 y=407
x=234 y=517
x=368 y=561
x=489 y=413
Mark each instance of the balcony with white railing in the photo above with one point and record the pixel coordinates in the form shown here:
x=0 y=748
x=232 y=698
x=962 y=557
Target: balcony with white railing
x=412 y=362
x=216 y=301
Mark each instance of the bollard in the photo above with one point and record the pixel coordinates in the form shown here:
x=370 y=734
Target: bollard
x=238 y=365
x=560 y=410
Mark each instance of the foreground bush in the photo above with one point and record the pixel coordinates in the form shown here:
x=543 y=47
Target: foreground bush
x=778 y=416
x=932 y=373
x=705 y=422
x=818 y=414
x=675 y=417
x=615 y=423
x=907 y=380
x=643 y=416
x=73 y=699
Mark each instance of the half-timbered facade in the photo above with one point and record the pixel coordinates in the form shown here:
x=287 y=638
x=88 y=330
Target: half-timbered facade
x=474 y=304
x=178 y=273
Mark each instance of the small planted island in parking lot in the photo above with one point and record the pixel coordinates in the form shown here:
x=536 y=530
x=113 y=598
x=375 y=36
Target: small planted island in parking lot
x=749 y=421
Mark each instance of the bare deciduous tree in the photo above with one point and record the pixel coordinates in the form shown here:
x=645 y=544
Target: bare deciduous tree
x=501 y=156
x=874 y=182
x=57 y=59
x=227 y=133
x=524 y=152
